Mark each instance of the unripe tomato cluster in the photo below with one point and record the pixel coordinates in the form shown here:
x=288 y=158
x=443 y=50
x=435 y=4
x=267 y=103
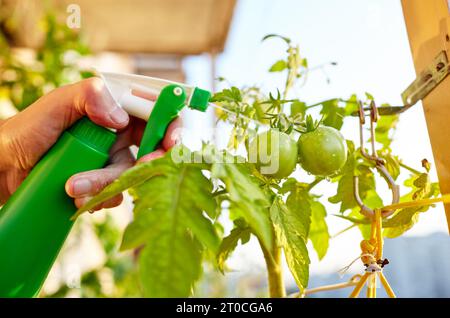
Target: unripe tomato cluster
x=321 y=152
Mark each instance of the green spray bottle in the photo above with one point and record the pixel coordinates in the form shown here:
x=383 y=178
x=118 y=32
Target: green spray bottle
x=35 y=221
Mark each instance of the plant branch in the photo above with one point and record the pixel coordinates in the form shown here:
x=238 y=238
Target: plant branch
x=274 y=271
x=409 y=168
x=329 y=100
x=314 y=183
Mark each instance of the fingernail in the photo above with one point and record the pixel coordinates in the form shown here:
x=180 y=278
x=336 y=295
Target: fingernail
x=82 y=186
x=118 y=115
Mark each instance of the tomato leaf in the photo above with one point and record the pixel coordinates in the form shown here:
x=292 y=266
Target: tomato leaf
x=268 y=36
x=392 y=163
x=351 y=105
x=170 y=263
x=404 y=219
x=298 y=109
x=232 y=94
x=290 y=231
x=333 y=114
x=247 y=198
x=132 y=177
x=241 y=232
x=318 y=232
x=168 y=199
x=278 y=66
x=385 y=128
x=353 y=167
x=311 y=212
x=169 y=221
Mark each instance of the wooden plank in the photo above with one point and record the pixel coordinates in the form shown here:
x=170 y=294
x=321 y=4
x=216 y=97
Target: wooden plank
x=428 y=28
x=181 y=27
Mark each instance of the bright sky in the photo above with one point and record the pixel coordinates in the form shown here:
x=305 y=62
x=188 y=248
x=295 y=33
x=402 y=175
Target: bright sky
x=369 y=41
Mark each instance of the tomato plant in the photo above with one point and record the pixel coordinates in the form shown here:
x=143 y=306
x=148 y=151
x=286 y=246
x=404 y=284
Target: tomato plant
x=178 y=203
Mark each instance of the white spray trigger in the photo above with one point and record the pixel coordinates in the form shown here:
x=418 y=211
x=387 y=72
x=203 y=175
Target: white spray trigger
x=121 y=87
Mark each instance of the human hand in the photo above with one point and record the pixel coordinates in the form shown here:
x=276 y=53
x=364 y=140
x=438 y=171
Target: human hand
x=25 y=137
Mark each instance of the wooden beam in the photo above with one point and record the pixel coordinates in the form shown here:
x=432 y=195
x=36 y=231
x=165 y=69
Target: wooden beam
x=428 y=26
x=181 y=27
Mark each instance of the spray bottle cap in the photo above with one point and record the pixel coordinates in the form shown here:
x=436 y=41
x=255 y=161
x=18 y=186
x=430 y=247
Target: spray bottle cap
x=97 y=137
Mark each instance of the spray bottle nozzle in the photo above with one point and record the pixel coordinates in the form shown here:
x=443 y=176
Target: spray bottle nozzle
x=123 y=86
x=199 y=99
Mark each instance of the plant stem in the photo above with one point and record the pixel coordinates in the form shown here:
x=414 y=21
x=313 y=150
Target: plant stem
x=314 y=183
x=329 y=100
x=409 y=168
x=274 y=271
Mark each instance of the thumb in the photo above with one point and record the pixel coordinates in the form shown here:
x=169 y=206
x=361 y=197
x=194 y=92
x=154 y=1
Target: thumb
x=89 y=97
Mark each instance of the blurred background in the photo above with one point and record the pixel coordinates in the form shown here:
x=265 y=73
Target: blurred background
x=43 y=45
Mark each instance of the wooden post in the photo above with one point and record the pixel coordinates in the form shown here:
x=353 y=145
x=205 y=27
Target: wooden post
x=428 y=25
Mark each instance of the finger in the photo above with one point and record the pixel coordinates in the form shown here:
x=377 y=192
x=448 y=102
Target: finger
x=92 y=182
x=110 y=203
x=131 y=135
x=152 y=156
x=145 y=95
x=173 y=134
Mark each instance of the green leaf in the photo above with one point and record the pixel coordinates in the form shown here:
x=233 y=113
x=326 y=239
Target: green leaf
x=131 y=177
x=351 y=106
x=290 y=231
x=385 y=128
x=311 y=212
x=299 y=203
x=369 y=96
x=298 y=109
x=170 y=264
x=169 y=198
x=318 y=232
x=333 y=114
x=345 y=193
x=278 y=66
x=239 y=233
x=392 y=163
x=268 y=36
x=247 y=198
x=170 y=221
x=232 y=94
x=404 y=219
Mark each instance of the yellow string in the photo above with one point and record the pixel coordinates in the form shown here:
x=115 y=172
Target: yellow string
x=359 y=286
x=379 y=234
x=386 y=285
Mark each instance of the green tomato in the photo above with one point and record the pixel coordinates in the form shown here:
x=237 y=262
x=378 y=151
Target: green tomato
x=274 y=153
x=323 y=151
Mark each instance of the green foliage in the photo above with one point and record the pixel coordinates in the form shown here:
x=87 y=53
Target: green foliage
x=241 y=232
x=311 y=212
x=291 y=228
x=173 y=212
x=248 y=199
x=55 y=62
x=404 y=219
x=318 y=231
x=177 y=208
x=385 y=128
x=333 y=114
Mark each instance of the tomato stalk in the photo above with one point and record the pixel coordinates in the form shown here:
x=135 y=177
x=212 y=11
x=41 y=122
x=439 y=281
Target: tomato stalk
x=274 y=270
